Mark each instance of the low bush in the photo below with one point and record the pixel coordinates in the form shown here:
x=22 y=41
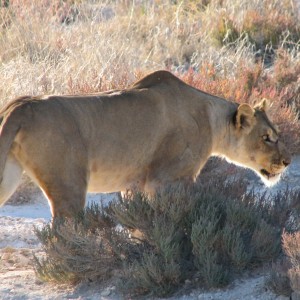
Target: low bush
x=206 y=233
x=291 y=246
x=88 y=247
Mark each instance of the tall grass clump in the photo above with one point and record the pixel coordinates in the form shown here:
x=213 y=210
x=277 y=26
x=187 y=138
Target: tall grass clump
x=206 y=234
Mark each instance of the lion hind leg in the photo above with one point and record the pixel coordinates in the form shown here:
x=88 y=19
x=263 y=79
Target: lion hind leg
x=12 y=175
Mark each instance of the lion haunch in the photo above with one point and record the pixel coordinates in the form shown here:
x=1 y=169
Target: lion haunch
x=156 y=132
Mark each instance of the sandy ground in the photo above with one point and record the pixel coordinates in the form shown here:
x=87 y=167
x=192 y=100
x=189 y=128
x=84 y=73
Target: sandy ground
x=18 y=242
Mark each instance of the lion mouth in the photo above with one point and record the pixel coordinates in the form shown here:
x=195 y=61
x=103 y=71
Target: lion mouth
x=267 y=174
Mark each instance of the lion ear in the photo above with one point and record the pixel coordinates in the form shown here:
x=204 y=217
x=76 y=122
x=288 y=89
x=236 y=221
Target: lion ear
x=245 y=117
x=263 y=105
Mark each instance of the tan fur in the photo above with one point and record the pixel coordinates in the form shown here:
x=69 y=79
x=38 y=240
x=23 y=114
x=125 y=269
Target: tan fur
x=158 y=131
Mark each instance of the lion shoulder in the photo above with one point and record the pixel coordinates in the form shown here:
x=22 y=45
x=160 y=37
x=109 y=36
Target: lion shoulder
x=156 y=78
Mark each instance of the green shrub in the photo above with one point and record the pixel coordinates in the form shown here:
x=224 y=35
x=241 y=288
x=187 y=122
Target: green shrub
x=207 y=231
x=86 y=247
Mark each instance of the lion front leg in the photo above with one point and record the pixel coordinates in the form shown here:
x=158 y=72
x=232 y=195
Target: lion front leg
x=65 y=202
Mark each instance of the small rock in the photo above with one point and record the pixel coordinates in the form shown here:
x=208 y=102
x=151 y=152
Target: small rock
x=105 y=293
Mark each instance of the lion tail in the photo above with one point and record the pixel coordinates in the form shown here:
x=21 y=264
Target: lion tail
x=10 y=169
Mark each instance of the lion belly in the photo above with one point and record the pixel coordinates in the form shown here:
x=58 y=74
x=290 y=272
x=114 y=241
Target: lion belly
x=171 y=161
x=106 y=178
x=110 y=182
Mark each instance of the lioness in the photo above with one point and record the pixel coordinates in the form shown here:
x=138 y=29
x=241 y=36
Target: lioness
x=158 y=131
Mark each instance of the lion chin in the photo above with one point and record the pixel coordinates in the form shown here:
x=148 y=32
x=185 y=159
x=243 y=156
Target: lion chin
x=269 y=179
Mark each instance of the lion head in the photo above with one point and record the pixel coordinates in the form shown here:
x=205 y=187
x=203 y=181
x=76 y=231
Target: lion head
x=258 y=144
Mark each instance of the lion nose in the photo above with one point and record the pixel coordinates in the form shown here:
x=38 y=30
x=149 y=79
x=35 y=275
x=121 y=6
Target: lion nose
x=286 y=161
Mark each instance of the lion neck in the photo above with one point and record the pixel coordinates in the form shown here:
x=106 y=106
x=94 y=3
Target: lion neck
x=224 y=141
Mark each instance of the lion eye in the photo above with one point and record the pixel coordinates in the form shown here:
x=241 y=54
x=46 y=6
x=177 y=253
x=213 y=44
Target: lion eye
x=267 y=139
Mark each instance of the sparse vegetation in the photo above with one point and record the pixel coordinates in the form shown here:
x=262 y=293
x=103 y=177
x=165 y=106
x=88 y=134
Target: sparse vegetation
x=241 y=50
x=206 y=233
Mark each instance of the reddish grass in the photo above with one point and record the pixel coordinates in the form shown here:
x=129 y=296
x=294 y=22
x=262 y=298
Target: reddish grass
x=115 y=79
